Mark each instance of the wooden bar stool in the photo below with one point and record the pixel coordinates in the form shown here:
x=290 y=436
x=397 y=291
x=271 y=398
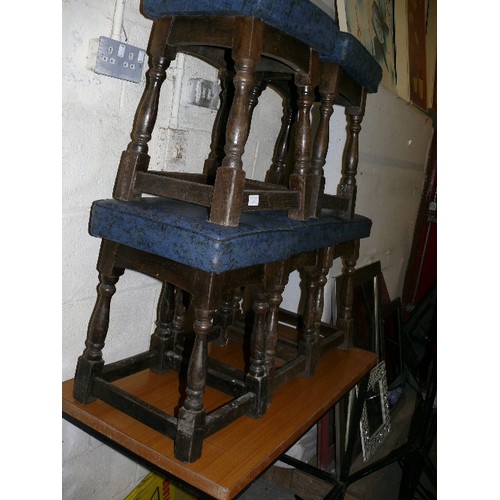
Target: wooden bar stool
x=263 y=42
x=259 y=36
x=174 y=242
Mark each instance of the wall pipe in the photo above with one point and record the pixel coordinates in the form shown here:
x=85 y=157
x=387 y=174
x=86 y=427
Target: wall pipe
x=116 y=31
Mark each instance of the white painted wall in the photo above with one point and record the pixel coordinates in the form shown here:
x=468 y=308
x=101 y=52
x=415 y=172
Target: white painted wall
x=97 y=114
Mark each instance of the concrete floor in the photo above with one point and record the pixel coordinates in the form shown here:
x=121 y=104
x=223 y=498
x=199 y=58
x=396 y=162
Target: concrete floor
x=290 y=484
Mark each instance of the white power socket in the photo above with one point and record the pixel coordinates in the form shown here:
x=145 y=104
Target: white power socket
x=115 y=58
x=203 y=93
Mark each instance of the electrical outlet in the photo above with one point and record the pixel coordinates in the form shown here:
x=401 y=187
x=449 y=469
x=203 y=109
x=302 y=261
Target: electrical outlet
x=203 y=93
x=115 y=58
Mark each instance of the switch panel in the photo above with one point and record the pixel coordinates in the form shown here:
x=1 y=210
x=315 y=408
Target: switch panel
x=117 y=59
x=203 y=93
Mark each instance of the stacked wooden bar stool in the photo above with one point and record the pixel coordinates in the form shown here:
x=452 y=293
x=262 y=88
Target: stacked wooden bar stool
x=206 y=235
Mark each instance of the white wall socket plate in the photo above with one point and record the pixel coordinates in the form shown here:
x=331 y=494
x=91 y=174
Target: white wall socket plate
x=115 y=58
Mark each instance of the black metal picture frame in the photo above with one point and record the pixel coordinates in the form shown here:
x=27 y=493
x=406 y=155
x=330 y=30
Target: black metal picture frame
x=366 y=306
x=390 y=331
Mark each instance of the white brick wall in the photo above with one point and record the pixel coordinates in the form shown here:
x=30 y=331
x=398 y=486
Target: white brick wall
x=93 y=471
x=97 y=118
x=97 y=114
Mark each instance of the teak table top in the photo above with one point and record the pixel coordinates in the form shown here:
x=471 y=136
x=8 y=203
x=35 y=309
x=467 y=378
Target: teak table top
x=233 y=457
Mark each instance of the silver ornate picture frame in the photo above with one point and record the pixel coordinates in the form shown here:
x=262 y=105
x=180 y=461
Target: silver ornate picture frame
x=375 y=422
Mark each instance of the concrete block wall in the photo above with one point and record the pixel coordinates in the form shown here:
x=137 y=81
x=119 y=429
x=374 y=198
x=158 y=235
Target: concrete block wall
x=97 y=115
x=97 y=118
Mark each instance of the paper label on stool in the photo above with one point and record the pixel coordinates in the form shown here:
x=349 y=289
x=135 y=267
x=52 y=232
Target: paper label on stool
x=253 y=200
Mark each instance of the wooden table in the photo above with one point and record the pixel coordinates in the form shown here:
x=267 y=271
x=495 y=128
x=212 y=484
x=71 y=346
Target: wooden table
x=233 y=457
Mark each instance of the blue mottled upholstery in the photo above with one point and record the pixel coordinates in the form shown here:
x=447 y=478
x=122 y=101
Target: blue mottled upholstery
x=298 y=18
x=356 y=61
x=181 y=232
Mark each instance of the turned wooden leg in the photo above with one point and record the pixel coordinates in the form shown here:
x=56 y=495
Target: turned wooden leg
x=276 y=172
x=275 y=300
x=259 y=86
x=223 y=318
x=345 y=321
x=228 y=312
x=256 y=380
x=136 y=157
x=216 y=155
x=347 y=186
x=325 y=261
x=191 y=419
x=298 y=179
x=169 y=325
x=236 y=303
x=230 y=177
x=309 y=345
x=90 y=363
x=276 y=278
x=328 y=91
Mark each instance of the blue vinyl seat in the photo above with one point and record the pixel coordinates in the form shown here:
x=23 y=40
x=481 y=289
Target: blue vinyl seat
x=174 y=242
x=302 y=19
x=181 y=232
x=310 y=22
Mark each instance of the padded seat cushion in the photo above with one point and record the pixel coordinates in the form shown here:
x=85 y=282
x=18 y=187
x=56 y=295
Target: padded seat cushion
x=309 y=21
x=301 y=19
x=357 y=62
x=181 y=232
